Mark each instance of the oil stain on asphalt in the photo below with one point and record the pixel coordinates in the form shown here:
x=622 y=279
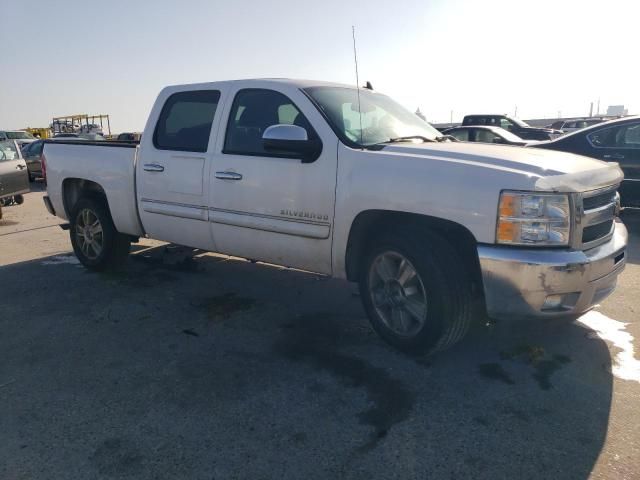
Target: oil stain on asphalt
x=222 y=307
x=544 y=365
x=316 y=340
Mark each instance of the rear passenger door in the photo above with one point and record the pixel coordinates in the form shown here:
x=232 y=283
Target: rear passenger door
x=173 y=167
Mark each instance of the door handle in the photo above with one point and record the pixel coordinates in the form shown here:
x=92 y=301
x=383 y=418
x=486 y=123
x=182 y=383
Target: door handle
x=615 y=156
x=228 y=176
x=21 y=167
x=153 y=167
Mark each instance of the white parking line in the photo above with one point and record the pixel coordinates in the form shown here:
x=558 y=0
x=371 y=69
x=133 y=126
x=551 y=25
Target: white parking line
x=626 y=366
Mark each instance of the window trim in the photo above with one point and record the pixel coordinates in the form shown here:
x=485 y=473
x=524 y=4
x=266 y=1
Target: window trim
x=155 y=130
x=312 y=134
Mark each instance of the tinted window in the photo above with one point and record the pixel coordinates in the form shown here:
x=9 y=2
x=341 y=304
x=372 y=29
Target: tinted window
x=255 y=110
x=506 y=124
x=185 y=121
x=462 y=135
x=626 y=136
x=631 y=137
x=485 y=136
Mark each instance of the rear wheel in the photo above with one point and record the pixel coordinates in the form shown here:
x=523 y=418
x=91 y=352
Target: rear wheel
x=94 y=238
x=416 y=291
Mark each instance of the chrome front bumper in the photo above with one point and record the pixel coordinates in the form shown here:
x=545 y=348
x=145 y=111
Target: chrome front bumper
x=549 y=283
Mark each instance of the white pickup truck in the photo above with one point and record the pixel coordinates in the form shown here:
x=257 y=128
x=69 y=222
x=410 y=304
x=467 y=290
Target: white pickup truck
x=346 y=182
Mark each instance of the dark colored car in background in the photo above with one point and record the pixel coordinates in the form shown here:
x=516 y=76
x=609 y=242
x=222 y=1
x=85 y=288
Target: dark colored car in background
x=129 y=137
x=568 y=126
x=514 y=125
x=614 y=141
x=484 y=135
x=32 y=153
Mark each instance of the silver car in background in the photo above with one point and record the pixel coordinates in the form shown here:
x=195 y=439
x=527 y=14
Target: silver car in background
x=14 y=179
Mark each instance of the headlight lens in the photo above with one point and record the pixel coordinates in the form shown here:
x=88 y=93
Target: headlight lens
x=533 y=219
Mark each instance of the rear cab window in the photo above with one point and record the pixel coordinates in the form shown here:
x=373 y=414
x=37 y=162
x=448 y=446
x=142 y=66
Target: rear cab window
x=185 y=121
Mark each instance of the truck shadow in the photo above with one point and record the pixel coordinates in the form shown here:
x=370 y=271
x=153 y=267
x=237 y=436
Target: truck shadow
x=185 y=365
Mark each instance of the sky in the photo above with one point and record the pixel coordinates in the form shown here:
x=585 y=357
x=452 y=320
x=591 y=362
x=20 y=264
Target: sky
x=447 y=57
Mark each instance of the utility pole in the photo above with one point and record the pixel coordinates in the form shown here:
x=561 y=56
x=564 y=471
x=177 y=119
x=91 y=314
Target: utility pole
x=515 y=112
x=451 y=118
x=591 y=110
x=598 y=112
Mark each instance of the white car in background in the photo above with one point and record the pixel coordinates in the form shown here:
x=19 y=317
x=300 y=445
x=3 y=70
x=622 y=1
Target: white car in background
x=20 y=136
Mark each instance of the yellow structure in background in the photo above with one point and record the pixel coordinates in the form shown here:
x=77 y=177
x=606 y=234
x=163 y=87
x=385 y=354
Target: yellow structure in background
x=39 y=132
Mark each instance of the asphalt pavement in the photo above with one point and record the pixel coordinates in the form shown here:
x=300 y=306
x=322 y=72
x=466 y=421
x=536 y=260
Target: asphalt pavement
x=194 y=365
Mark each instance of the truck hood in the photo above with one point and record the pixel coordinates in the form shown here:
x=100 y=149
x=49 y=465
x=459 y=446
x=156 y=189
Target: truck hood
x=550 y=170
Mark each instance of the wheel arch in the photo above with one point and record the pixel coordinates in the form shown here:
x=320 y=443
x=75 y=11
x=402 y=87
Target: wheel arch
x=368 y=223
x=73 y=189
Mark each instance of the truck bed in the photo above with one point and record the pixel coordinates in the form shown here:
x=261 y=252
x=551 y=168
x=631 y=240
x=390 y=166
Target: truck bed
x=112 y=165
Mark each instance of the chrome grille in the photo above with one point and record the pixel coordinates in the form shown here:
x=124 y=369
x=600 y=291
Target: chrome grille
x=594 y=232
x=595 y=214
x=599 y=200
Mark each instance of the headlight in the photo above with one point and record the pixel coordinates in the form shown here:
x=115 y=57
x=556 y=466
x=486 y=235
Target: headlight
x=533 y=219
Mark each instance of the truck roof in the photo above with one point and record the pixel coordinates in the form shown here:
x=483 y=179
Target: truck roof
x=297 y=83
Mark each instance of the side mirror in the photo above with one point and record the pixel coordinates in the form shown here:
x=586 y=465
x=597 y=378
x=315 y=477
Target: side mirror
x=291 y=139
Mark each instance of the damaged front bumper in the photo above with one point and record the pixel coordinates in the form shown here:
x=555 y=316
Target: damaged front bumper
x=550 y=283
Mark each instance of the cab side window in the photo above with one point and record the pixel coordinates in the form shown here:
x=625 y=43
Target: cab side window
x=626 y=136
x=185 y=121
x=255 y=110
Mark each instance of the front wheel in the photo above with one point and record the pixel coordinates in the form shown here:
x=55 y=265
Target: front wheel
x=94 y=238
x=416 y=291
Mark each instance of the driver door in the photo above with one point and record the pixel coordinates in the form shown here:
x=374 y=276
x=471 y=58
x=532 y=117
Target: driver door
x=269 y=206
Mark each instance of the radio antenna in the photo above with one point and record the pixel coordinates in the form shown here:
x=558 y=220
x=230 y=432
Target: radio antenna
x=355 y=59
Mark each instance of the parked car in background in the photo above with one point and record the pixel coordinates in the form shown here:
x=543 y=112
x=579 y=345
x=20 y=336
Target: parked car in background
x=129 y=137
x=514 y=125
x=32 y=154
x=613 y=141
x=14 y=180
x=20 y=136
x=484 y=135
x=568 y=126
x=346 y=182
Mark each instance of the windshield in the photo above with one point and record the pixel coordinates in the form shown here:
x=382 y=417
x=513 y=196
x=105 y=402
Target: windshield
x=9 y=151
x=519 y=122
x=382 y=118
x=20 y=136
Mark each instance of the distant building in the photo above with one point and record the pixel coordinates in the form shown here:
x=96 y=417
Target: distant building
x=617 y=110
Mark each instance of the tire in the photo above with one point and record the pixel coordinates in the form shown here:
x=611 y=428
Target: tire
x=424 y=305
x=94 y=238
x=18 y=199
